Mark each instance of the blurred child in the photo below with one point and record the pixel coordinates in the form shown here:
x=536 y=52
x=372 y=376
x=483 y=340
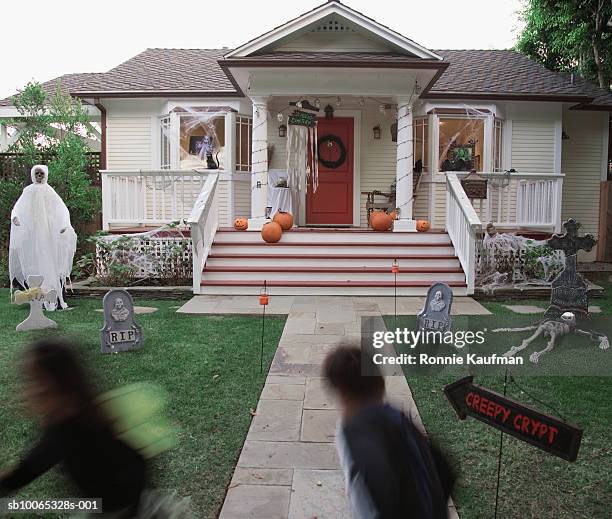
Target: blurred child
x=76 y=433
x=390 y=470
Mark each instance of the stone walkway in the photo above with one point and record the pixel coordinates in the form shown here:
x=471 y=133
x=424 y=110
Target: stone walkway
x=288 y=467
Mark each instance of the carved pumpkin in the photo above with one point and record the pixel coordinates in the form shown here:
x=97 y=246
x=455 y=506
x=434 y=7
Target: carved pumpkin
x=423 y=225
x=285 y=220
x=393 y=214
x=241 y=224
x=381 y=221
x=271 y=232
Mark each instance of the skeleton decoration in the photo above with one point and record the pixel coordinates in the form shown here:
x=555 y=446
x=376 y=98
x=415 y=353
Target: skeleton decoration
x=553 y=329
x=35 y=296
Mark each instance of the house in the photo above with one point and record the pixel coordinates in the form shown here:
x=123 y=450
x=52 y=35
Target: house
x=202 y=134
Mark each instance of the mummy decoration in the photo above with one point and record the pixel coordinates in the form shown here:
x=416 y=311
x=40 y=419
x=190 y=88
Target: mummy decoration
x=553 y=329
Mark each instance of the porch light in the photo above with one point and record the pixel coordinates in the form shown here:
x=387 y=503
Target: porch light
x=282 y=130
x=394 y=132
x=329 y=112
x=376 y=131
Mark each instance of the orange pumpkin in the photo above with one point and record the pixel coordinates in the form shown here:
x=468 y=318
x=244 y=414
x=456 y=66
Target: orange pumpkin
x=271 y=232
x=241 y=224
x=285 y=220
x=393 y=214
x=423 y=225
x=381 y=221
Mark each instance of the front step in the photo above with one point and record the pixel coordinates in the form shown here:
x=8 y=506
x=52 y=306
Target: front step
x=331 y=261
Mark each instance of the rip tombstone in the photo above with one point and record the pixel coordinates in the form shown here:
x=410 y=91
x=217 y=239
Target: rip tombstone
x=435 y=315
x=120 y=331
x=569 y=289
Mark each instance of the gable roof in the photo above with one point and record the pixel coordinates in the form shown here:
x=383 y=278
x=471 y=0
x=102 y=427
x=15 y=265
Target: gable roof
x=394 y=39
x=491 y=74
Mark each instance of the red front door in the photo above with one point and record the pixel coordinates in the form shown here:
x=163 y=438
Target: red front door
x=332 y=203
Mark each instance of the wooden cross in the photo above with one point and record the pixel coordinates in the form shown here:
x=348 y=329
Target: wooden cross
x=36 y=296
x=570 y=243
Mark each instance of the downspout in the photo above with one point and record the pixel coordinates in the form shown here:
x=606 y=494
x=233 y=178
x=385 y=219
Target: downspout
x=102 y=109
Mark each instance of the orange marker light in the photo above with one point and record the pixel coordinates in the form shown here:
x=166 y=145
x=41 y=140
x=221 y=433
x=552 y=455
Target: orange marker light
x=263 y=296
x=395 y=267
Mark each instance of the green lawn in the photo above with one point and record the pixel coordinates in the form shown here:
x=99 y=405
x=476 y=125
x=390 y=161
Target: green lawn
x=534 y=484
x=209 y=365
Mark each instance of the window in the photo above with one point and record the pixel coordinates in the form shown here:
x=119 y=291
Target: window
x=461 y=143
x=165 y=160
x=202 y=141
x=498 y=145
x=244 y=126
x=420 y=137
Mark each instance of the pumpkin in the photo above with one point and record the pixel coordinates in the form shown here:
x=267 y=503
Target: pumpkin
x=241 y=224
x=381 y=221
x=271 y=232
x=393 y=214
x=285 y=220
x=423 y=225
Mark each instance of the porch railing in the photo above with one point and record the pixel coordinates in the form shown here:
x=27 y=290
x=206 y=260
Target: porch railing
x=522 y=200
x=152 y=197
x=204 y=222
x=463 y=226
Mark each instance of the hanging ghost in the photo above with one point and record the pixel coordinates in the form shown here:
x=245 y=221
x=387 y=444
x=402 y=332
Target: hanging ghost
x=43 y=241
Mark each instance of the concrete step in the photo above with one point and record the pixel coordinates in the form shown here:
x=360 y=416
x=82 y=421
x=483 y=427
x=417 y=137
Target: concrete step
x=326 y=249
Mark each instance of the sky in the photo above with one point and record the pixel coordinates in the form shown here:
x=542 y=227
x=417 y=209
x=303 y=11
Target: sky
x=45 y=39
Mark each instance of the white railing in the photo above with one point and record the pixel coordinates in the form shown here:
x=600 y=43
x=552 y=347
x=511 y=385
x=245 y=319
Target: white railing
x=204 y=222
x=151 y=197
x=522 y=200
x=463 y=226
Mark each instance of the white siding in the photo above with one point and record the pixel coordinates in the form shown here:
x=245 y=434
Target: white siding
x=223 y=203
x=332 y=42
x=129 y=143
x=242 y=197
x=533 y=145
x=581 y=162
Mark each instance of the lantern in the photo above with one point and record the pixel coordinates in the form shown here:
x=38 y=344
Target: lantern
x=394 y=132
x=282 y=130
x=263 y=296
x=376 y=131
x=395 y=267
x=329 y=112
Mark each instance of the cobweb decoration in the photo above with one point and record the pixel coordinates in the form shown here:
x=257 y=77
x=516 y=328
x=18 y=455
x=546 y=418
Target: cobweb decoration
x=511 y=259
x=161 y=253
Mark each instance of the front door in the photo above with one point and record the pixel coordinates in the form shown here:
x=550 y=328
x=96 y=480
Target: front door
x=332 y=203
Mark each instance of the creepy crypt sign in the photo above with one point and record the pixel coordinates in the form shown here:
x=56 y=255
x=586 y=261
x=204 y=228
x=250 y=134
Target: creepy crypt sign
x=120 y=331
x=543 y=431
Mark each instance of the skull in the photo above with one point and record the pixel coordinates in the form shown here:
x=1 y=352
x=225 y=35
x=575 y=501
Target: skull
x=568 y=318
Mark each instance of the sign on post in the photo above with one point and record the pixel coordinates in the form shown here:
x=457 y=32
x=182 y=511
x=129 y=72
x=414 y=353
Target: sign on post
x=543 y=431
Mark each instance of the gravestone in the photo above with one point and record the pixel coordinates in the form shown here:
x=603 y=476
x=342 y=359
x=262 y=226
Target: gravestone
x=36 y=296
x=120 y=331
x=569 y=288
x=435 y=315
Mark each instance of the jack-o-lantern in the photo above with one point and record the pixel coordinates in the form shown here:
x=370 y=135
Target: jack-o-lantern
x=241 y=224
x=271 y=232
x=285 y=220
x=423 y=225
x=393 y=214
x=380 y=221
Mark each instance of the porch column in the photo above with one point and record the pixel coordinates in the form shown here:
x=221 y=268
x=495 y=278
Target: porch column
x=259 y=164
x=3 y=138
x=404 y=166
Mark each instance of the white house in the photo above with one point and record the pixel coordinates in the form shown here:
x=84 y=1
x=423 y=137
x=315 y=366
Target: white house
x=390 y=111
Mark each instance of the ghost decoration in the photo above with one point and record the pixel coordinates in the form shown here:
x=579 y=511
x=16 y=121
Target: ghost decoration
x=42 y=241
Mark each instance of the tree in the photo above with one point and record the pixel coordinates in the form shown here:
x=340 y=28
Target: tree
x=570 y=35
x=51 y=131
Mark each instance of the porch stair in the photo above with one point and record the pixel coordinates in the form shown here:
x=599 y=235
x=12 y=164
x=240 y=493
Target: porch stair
x=324 y=261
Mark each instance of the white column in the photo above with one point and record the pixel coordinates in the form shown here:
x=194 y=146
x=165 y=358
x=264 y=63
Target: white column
x=3 y=138
x=405 y=164
x=259 y=160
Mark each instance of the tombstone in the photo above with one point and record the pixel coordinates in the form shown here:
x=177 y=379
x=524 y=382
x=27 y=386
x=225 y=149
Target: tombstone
x=435 y=315
x=120 y=331
x=569 y=288
x=36 y=296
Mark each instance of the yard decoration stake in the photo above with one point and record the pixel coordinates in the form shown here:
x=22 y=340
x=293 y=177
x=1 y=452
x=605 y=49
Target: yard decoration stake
x=263 y=301
x=395 y=270
x=546 y=432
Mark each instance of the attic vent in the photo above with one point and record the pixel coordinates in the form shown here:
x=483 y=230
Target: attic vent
x=332 y=26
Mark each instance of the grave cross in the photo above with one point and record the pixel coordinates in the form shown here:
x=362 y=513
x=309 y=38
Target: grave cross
x=570 y=243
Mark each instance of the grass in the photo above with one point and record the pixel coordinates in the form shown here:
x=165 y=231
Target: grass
x=209 y=365
x=533 y=483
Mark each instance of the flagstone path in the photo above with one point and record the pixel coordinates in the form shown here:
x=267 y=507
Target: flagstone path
x=288 y=467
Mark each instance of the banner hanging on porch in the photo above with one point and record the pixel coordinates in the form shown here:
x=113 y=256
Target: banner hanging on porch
x=302 y=164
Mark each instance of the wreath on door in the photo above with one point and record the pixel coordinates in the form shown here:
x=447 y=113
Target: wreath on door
x=329 y=141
